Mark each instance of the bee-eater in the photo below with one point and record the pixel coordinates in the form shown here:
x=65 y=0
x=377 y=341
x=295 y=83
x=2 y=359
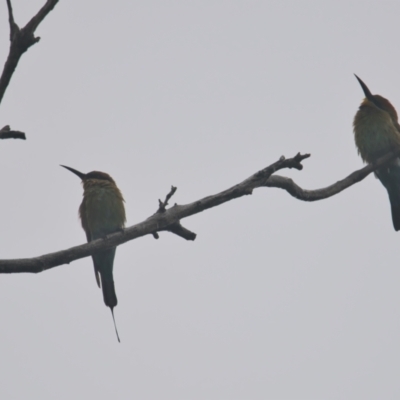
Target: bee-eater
x=102 y=212
x=376 y=133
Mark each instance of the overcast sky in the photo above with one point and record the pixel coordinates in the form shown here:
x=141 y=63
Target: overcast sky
x=276 y=298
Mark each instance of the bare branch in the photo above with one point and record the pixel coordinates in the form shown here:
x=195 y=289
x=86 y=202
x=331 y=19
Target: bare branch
x=21 y=40
x=7 y=133
x=40 y=16
x=296 y=191
x=167 y=220
x=170 y=219
x=246 y=187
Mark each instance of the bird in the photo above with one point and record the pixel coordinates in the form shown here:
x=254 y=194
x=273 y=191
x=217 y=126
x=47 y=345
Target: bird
x=376 y=133
x=102 y=212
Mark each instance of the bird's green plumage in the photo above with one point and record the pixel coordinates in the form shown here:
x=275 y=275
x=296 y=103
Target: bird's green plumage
x=375 y=132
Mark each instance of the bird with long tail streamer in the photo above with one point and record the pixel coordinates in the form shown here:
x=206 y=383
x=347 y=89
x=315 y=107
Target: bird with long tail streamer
x=102 y=212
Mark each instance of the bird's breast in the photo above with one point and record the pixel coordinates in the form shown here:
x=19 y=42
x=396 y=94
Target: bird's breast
x=375 y=133
x=104 y=210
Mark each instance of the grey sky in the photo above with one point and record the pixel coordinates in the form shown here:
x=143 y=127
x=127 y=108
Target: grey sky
x=276 y=298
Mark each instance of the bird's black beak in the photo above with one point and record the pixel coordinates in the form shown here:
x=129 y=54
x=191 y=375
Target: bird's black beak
x=365 y=89
x=82 y=176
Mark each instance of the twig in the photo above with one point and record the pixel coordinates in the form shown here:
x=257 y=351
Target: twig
x=14 y=29
x=181 y=231
x=163 y=204
x=175 y=228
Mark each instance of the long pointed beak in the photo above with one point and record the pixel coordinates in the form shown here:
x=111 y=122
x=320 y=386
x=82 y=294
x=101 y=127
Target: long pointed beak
x=82 y=176
x=365 y=89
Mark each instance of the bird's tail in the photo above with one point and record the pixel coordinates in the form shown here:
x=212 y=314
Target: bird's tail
x=390 y=178
x=107 y=285
x=103 y=265
x=394 y=197
x=115 y=325
x=103 y=261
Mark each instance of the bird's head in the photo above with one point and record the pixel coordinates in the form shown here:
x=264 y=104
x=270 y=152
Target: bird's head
x=94 y=175
x=377 y=101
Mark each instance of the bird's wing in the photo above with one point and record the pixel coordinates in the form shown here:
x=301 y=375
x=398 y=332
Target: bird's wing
x=82 y=213
x=96 y=269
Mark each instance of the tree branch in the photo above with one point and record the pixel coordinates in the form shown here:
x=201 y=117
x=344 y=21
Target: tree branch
x=161 y=220
x=175 y=228
x=7 y=133
x=296 y=191
x=170 y=219
x=21 y=40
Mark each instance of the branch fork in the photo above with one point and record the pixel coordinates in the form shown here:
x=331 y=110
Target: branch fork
x=176 y=227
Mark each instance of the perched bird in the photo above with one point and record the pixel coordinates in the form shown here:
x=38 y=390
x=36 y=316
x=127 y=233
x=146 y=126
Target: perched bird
x=102 y=212
x=376 y=133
